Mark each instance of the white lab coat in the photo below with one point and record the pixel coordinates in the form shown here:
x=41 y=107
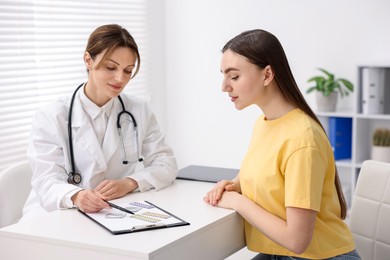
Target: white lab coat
x=49 y=155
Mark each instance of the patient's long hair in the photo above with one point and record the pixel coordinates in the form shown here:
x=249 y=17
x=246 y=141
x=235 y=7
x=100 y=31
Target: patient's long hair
x=262 y=49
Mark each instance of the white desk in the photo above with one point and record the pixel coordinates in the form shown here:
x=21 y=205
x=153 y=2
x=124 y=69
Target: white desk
x=214 y=233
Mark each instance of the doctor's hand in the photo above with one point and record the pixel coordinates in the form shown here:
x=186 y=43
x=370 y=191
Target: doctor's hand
x=112 y=189
x=89 y=201
x=212 y=197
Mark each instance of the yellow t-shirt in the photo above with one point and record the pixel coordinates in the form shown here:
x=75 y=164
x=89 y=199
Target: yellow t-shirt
x=290 y=163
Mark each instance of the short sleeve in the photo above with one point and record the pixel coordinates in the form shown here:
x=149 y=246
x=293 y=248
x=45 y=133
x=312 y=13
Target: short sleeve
x=304 y=179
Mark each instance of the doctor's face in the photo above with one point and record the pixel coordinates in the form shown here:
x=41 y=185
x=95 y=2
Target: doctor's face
x=109 y=79
x=243 y=80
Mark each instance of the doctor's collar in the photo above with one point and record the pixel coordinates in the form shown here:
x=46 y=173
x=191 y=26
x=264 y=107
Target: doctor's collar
x=94 y=110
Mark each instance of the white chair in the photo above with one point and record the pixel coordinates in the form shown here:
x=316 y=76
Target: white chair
x=15 y=185
x=370 y=212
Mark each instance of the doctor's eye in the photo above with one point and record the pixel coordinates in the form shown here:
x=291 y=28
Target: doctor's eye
x=110 y=68
x=235 y=78
x=129 y=72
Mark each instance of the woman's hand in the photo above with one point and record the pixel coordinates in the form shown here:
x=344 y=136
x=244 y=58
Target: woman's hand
x=89 y=201
x=112 y=189
x=229 y=200
x=212 y=197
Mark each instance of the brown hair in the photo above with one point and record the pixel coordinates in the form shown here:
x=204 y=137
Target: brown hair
x=263 y=48
x=108 y=38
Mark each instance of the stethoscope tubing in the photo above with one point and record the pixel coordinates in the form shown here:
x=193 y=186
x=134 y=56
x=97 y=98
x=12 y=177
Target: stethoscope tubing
x=75 y=178
x=70 y=129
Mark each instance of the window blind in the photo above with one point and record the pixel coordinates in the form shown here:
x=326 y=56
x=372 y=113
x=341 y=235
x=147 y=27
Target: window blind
x=41 y=49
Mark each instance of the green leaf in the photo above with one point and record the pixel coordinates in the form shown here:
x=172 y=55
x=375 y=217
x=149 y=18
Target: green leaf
x=311 y=89
x=328 y=84
x=347 y=84
x=316 y=79
x=330 y=75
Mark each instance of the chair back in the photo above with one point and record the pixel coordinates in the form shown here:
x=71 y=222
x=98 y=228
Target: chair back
x=370 y=212
x=15 y=186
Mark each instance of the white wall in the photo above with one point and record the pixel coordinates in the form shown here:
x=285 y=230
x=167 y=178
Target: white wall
x=201 y=123
x=156 y=58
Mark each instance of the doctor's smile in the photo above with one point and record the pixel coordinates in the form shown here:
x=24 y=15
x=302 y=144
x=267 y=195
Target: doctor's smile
x=116 y=87
x=108 y=143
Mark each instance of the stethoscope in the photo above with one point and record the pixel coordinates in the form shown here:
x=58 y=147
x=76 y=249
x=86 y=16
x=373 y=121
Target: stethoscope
x=73 y=176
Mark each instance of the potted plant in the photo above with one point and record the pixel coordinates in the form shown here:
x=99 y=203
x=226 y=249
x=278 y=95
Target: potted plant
x=328 y=87
x=380 y=150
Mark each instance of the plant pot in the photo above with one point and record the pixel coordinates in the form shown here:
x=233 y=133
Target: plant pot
x=380 y=153
x=326 y=103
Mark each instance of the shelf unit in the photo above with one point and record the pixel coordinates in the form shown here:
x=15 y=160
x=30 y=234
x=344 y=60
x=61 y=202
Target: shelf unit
x=363 y=126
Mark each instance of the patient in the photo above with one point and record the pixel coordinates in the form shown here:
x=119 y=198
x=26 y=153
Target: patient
x=287 y=190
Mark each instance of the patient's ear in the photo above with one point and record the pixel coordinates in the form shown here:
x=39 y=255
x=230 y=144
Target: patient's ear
x=268 y=75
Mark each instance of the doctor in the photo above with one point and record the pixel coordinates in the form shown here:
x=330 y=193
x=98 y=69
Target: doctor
x=115 y=140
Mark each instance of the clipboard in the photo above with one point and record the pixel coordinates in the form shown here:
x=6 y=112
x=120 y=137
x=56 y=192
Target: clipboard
x=206 y=173
x=147 y=216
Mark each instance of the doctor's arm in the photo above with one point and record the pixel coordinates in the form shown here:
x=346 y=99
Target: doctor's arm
x=89 y=201
x=159 y=161
x=47 y=160
x=112 y=189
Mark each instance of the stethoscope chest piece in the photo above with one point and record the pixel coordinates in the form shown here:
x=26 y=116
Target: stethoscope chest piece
x=74 y=178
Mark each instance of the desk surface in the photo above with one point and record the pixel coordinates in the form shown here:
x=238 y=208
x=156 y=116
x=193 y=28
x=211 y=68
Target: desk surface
x=213 y=233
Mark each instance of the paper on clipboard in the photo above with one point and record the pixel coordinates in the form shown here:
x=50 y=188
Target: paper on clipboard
x=147 y=217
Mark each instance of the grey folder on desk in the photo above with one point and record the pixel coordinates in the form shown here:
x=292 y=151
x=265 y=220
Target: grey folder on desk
x=206 y=173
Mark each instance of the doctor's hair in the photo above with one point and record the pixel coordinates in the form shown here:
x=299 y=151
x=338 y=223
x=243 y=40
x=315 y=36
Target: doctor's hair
x=109 y=37
x=262 y=48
